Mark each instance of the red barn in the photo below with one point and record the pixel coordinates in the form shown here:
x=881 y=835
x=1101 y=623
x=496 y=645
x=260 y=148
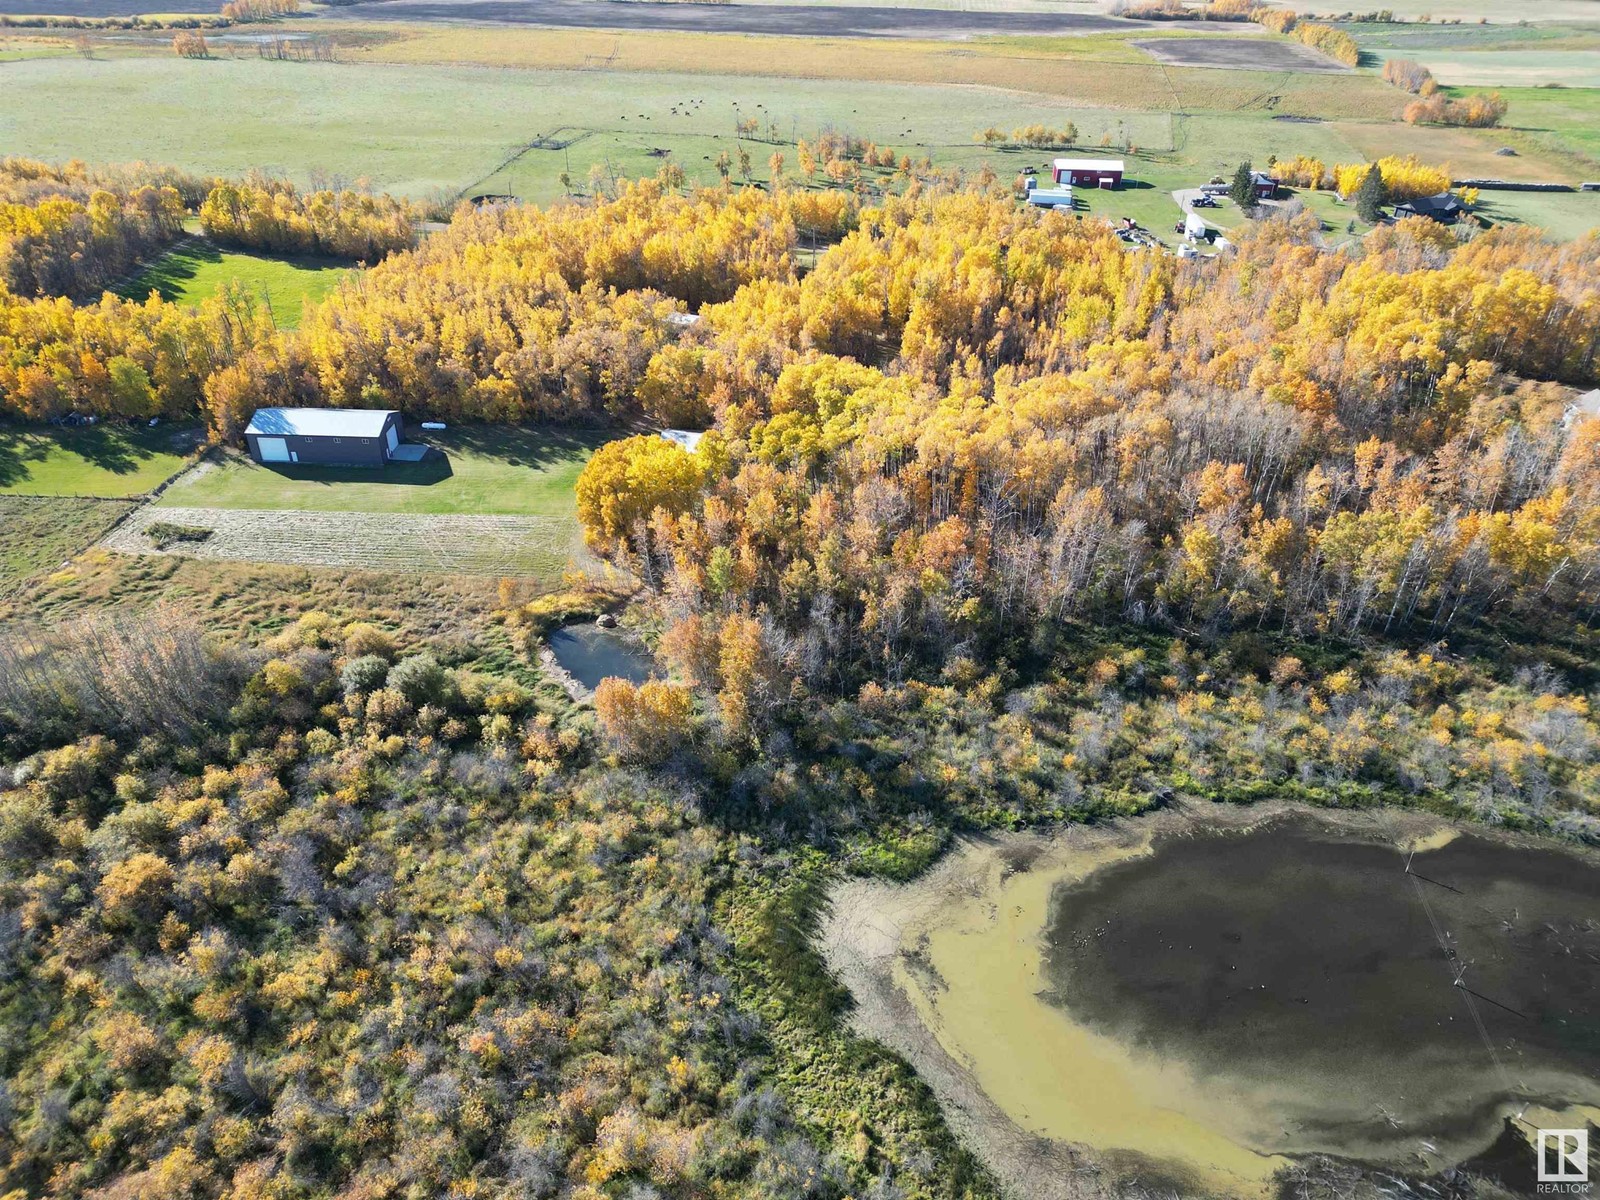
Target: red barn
x=1089 y=172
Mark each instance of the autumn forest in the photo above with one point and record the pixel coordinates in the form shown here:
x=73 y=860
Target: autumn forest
x=996 y=524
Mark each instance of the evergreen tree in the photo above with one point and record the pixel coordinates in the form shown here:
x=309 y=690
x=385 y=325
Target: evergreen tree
x=1370 y=196
x=1243 y=189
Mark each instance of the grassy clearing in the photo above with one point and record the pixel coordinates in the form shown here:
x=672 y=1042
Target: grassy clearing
x=195 y=270
x=1563 y=215
x=109 y=461
x=1470 y=153
x=257 y=599
x=1561 y=122
x=487 y=470
x=38 y=533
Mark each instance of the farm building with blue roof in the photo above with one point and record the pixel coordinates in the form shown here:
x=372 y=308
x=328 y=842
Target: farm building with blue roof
x=345 y=437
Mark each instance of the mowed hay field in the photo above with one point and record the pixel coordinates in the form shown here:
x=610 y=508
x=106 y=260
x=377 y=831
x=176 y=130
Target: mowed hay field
x=197 y=270
x=107 y=461
x=524 y=546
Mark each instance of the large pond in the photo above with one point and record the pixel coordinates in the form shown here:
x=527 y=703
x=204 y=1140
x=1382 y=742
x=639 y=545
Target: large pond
x=1202 y=1006
x=1385 y=1008
x=589 y=654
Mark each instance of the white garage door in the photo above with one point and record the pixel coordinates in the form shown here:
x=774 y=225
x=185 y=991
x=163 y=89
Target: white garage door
x=273 y=449
x=394 y=439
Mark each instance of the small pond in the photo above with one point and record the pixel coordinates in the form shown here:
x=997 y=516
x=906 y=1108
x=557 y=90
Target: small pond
x=589 y=654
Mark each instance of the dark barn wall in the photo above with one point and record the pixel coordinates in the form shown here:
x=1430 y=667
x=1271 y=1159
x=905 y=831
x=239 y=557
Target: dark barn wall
x=328 y=452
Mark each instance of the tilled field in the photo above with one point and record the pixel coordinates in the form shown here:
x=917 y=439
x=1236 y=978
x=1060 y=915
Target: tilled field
x=1255 y=53
x=808 y=20
x=450 y=544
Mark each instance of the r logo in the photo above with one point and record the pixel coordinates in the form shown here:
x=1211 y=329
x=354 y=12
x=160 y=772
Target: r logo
x=1563 y=1155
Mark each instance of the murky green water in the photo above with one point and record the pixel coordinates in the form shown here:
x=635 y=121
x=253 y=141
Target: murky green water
x=1327 y=1000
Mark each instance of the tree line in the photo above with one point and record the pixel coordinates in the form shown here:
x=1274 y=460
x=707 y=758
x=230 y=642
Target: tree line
x=1402 y=177
x=66 y=248
x=71 y=231
x=274 y=216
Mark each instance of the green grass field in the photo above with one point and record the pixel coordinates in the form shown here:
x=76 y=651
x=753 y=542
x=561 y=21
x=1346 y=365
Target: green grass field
x=402 y=111
x=487 y=469
x=38 y=533
x=109 y=461
x=1564 y=215
x=1512 y=68
x=420 y=130
x=1562 y=121
x=1497 y=12
x=1474 y=55
x=196 y=269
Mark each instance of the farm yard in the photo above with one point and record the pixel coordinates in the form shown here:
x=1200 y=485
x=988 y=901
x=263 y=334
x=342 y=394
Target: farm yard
x=196 y=269
x=499 y=501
